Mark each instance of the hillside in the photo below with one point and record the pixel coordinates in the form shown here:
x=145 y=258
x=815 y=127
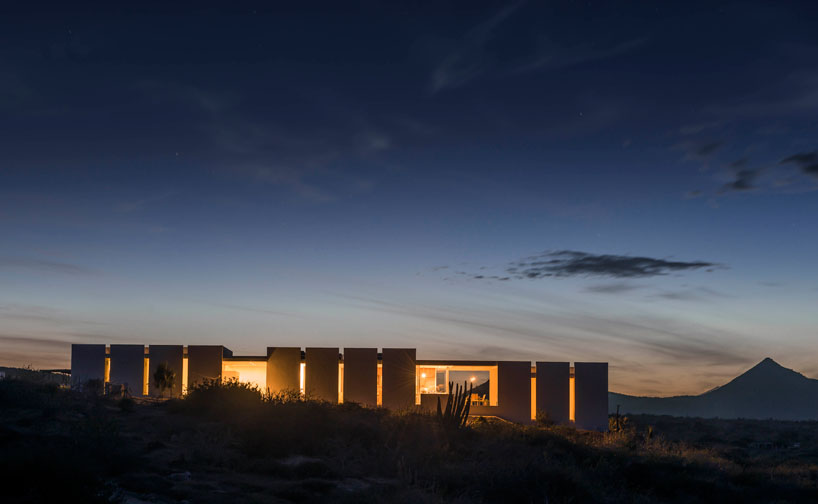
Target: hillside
x=768 y=390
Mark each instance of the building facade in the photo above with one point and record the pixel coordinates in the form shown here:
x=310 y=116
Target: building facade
x=394 y=378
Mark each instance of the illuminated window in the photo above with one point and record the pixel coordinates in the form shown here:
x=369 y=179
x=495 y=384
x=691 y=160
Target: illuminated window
x=431 y=381
x=246 y=371
x=435 y=380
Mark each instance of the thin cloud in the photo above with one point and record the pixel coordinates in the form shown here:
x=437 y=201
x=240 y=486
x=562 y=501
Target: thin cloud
x=745 y=180
x=43 y=314
x=567 y=57
x=468 y=60
x=807 y=162
x=698 y=151
x=708 y=149
x=694 y=294
x=613 y=288
x=138 y=205
x=42 y=265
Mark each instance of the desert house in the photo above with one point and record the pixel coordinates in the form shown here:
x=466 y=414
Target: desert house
x=394 y=378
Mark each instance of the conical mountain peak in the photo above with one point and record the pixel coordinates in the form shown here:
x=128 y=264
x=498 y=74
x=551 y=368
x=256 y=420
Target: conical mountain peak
x=767 y=390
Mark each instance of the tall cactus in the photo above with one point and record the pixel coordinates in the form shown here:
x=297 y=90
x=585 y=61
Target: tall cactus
x=457 y=409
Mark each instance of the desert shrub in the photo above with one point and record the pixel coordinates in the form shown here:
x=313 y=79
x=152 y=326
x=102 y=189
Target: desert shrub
x=221 y=398
x=543 y=418
x=30 y=394
x=126 y=404
x=284 y=396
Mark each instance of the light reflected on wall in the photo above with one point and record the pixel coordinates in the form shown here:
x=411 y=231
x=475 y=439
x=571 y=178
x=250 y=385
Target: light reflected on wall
x=145 y=375
x=533 y=398
x=302 y=373
x=380 y=384
x=184 y=375
x=341 y=383
x=571 y=397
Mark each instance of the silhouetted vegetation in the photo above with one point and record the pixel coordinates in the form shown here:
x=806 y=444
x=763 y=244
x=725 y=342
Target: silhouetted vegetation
x=458 y=404
x=164 y=377
x=228 y=441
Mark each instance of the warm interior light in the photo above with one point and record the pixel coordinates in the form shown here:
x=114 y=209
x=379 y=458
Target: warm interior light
x=434 y=379
x=252 y=372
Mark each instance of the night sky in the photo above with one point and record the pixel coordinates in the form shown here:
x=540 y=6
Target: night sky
x=631 y=182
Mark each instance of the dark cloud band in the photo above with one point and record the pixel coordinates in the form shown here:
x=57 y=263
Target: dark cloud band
x=566 y=263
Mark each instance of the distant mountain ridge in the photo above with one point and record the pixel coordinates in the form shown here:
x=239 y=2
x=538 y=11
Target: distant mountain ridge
x=767 y=390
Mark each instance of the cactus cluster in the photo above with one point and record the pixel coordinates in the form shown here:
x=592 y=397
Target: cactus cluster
x=458 y=404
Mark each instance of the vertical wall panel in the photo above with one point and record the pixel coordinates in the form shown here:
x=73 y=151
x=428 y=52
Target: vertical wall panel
x=553 y=390
x=514 y=390
x=284 y=369
x=321 y=374
x=128 y=367
x=361 y=376
x=87 y=363
x=591 y=395
x=172 y=356
x=204 y=362
x=398 y=380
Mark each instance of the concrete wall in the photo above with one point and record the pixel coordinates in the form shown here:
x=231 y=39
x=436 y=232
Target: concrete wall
x=513 y=392
x=172 y=356
x=398 y=379
x=87 y=363
x=283 y=369
x=361 y=376
x=128 y=367
x=204 y=362
x=321 y=374
x=553 y=393
x=591 y=395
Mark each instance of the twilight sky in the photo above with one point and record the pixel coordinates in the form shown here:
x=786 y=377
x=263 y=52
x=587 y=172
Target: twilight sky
x=633 y=183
